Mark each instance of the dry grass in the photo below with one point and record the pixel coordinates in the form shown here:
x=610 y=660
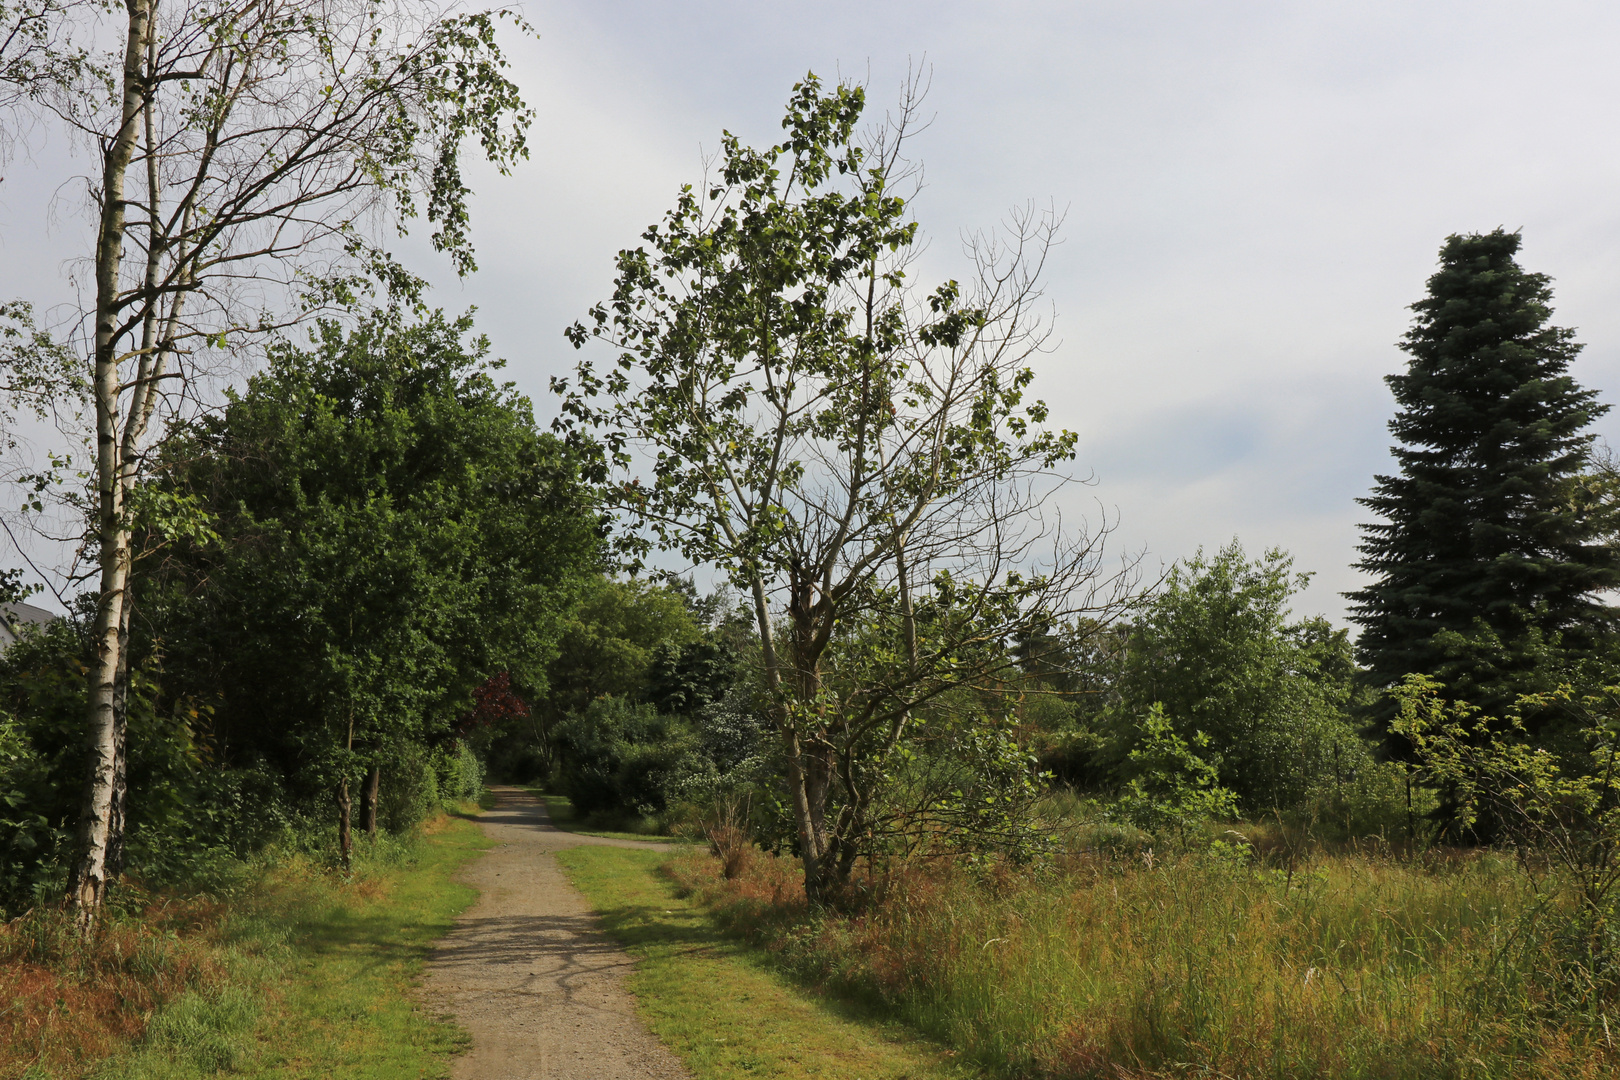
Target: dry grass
x=69 y=1000
x=1345 y=966
x=288 y=969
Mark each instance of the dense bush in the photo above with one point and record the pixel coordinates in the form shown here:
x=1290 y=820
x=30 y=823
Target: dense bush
x=621 y=756
x=1214 y=648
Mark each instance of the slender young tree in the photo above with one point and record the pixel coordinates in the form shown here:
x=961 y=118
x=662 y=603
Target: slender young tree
x=246 y=153
x=1485 y=534
x=856 y=454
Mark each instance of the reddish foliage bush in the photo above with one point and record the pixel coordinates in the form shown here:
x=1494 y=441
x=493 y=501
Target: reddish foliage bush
x=493 y=702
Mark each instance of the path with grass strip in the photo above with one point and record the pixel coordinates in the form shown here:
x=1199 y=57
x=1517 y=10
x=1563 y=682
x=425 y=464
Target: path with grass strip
x=724 y=1006
x=527 y=972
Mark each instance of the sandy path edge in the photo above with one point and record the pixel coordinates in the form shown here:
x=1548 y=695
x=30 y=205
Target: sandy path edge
x=526 y=971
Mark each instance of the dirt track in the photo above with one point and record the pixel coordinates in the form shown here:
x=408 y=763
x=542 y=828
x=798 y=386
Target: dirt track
x=525 y=970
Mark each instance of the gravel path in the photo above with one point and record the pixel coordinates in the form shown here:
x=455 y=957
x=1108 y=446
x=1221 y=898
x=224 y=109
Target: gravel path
x=526 y=971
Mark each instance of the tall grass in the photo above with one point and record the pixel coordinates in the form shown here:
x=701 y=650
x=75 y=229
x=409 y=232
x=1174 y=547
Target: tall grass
x=1347 y=966
x=174 y=985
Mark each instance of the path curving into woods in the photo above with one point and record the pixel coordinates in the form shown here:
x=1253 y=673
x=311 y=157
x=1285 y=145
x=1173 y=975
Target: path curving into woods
x=528 y=974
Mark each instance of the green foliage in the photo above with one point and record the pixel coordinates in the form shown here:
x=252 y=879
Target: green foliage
x=610 y=641
x=859 y=456
x=648 y=706
x=625 y=757
x=186 y=814
x=1172 y=789
x=38 y=375
x=389 y=530
x=607 y=646
x=1215 y=649
x=964 y=783
x=1487 y=532
x=1563 y=808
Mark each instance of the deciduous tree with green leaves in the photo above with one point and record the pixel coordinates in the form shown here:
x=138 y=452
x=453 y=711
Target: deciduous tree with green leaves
x=858 y=455
x=392 y=531
x=1215 y=650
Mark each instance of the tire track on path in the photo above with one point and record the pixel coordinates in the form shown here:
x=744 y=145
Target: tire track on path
x=528 y=974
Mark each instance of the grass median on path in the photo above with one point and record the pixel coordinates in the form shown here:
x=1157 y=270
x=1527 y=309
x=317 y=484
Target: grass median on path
x=560 y=810
x=718 y=1003
x=302 y=974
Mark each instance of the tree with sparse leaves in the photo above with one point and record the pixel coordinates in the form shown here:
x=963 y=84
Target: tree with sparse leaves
x=857 y=455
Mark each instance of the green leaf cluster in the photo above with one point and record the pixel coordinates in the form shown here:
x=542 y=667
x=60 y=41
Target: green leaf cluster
x=388 y=530
x=1216 y=651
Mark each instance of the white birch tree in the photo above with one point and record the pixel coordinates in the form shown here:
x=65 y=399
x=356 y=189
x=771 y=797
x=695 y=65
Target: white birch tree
x=250 y=156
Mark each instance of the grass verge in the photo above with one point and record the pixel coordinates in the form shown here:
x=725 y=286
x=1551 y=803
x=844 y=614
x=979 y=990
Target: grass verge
x=289 y=972
x=719 y=1003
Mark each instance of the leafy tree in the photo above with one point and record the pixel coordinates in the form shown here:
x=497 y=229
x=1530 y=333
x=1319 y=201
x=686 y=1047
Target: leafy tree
x=610 y=642
x=858 y=456
x=607 y=647
x=1173 y=787
x=626 y=725
x=1214 y=648
x=1491 y=554
x=392 y=532
x=626 y=757
x=236 y=146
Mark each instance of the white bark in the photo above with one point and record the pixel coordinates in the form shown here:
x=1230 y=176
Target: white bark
x=88 y=879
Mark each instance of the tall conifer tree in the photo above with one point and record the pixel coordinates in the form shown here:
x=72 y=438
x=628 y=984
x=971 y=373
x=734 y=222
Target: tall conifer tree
x=1487 y=557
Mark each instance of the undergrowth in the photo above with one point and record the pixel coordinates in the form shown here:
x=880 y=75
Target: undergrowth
x=192 y=985
x=1336 y=966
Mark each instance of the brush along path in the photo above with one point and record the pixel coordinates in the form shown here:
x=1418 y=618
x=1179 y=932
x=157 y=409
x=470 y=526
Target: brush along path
x=526 y=971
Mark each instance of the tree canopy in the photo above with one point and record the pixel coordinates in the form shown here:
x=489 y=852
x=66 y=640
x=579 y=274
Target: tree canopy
x=1216 y=653
x=857 y=454
x=387 y=531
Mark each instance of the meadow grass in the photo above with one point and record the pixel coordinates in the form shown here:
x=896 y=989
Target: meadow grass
x=721 y=1005
x=1348 y=966
x=290 y=971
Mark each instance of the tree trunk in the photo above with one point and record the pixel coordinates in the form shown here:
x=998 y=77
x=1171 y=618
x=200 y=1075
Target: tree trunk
x=811 y=761
x=117 y=812
x=345 y=840
x=368 y=801
x=88 y=877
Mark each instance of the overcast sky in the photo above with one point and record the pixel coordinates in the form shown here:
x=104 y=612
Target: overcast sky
x=1255 y=191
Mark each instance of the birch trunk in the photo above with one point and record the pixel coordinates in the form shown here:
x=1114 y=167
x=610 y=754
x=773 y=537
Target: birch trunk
x=89 y=874
x=117 y=810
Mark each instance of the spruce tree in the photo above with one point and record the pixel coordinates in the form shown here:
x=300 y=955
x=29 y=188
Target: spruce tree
x=1488 y=563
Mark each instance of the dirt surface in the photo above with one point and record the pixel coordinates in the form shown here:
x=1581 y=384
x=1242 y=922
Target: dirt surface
x=526 y=971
